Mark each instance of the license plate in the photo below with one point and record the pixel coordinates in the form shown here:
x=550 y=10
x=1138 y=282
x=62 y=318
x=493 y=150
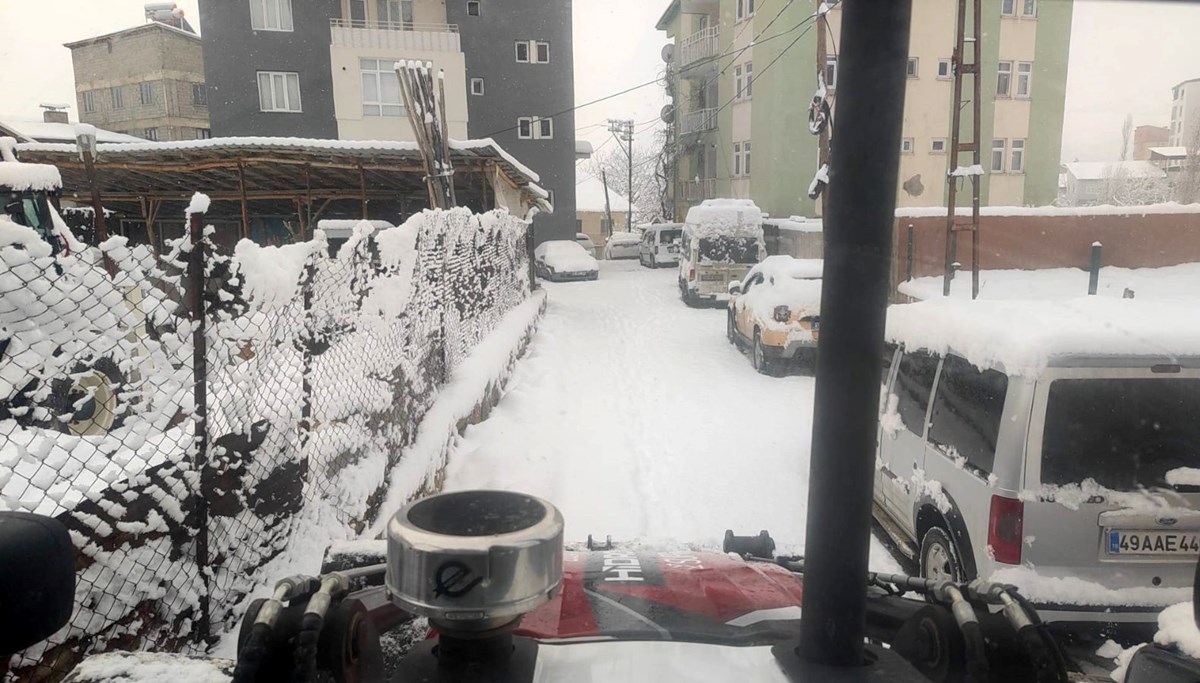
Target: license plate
x=672 y=250
x=1153 y=542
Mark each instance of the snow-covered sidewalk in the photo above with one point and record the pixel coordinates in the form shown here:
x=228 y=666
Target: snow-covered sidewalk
x=634 y=415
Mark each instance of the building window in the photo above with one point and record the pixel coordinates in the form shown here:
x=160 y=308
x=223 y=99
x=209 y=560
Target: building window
x=906 y=145
x=146 y=92
x=150 y=134
x=88 y=102
x=1024 y=75
x=203 y=134
x=199 y=95
x=473 y=8
x=749 y=80
x=476 y=86
x=279 y=91
x=745 y=9
x=541 y=52
x=746 y=158
x=117 y=93
x=1017 y=162
x=535 y=128
x=1008 y=8
x=395 y=14
x=1029 y=8
x=831 y=72
x=737 y=82
x=998 y=156
x=271 y=15
x=358 y=12
x=380 y=88
x=938 y=146
x=533 y=52
x=523 y=52
x=944 y=69
x=1003 y=79
x=737 y=160
x=912 y=67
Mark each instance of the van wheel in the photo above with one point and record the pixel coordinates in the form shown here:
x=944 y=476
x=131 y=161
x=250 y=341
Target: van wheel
x=731 y=329
x=939 y=557
x=653 y=262
x=96 y=416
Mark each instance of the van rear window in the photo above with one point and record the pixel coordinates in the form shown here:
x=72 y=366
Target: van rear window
x=729 y=249
x=1124 y=433
x=669 y=236
x=967 y=406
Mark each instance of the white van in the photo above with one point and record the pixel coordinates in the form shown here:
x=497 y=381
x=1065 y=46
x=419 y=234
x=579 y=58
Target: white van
x=722 y=241
x=660 y=244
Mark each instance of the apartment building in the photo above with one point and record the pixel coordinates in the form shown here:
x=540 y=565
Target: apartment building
x=146 y=81
x=1185 y=114
x=323 y=69
x=741 y=74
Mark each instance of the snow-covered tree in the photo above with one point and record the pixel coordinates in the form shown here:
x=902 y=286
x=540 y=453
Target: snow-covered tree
x=647 y=192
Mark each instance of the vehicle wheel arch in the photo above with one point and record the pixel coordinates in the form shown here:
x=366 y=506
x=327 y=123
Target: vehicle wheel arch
x=927 y=515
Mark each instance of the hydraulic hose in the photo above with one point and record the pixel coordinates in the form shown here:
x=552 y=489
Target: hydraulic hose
x=333 y=586
x=253 y=653
x=968 y=623
x=1044 y=654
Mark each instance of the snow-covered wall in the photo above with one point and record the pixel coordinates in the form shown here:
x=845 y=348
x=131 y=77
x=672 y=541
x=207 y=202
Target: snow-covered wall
x=320 y=375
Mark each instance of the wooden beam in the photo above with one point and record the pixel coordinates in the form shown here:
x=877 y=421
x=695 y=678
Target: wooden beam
x=245 y=206
x=362 y=184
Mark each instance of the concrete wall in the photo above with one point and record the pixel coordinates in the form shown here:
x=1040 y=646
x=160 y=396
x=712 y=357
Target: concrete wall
x=171 y=61
x=1062 y=239
x=590 y=223
x=234 y=53
x=514 y=89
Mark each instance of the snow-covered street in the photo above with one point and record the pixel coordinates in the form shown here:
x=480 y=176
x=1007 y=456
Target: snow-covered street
x=635 y=416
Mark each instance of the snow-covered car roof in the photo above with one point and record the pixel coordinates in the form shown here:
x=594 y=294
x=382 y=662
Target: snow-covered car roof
x=787 y=281
x=731 y=217
x=1024 y=337
x=624 y=238
x=782 y=265
x=559 y=247
x=566 y=255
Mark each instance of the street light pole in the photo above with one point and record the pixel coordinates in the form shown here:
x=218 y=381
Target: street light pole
x=622 y=129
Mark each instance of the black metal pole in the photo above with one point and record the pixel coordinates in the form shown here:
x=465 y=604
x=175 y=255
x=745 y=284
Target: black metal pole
x=859 y=215
x=1094 y=273
x=909 y=273
x=195 y=285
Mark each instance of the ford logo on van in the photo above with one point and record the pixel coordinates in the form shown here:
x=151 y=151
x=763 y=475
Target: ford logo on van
x=1167 y=521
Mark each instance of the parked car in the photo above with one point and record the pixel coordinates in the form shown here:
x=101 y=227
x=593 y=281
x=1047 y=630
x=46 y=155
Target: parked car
x=660 y=244
x=722 y=241
x=1050 y=445
x=586 y=242
x=776 y=312
x=560 y=260
x=623 y=245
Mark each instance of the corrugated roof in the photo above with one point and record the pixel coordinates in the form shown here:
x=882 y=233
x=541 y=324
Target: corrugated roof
x=46 y=131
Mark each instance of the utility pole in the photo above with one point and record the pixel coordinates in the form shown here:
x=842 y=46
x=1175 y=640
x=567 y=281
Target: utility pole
x=622 y=129
x=822 y=62
x=607 y=206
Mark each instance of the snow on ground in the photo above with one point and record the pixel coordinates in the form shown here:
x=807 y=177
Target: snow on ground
x=1182 y=281
x=634 y=415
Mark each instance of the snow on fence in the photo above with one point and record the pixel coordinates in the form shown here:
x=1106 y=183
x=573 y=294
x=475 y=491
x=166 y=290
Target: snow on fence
x=178 y=413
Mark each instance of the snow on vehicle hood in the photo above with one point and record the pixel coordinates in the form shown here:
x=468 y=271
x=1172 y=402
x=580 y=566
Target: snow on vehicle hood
x=787 y=282
x=566 y=256
x=29 y=177
x=624 y=238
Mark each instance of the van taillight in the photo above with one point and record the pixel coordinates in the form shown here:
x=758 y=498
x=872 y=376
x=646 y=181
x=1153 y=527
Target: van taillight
x=1006 y=529
x=692 y=274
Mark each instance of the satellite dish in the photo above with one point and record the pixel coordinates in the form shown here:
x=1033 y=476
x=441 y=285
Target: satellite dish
x=668 y=52
x=668 y=114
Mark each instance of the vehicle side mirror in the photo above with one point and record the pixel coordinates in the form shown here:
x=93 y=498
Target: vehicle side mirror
x=735 y=287
x=37 y=580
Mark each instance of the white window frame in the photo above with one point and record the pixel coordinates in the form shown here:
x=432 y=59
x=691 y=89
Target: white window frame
x=746 y=159
x=271 y=15
x=737 y=82
x=199 y=95
x=1016 y=156
x=912 y=68
x=88 y=101
x=1002 y=149
x=1029 y=9
x=737 y=160
x=933 y=146
x=481 y=89
x=907 y=145
x=831 y=67
x=749 y=92
x=1025 y=78
x=275 y=97
x=1004 y=68
x=745 y=9
x=949 y=64
x=117 y=94
x=1012 y=8
x=517 y=48
x=378 y=73
x=539 y=128
x=477 y=5
x=535 y=51
x=150 y=134
x=203 y=133
x=146 y=92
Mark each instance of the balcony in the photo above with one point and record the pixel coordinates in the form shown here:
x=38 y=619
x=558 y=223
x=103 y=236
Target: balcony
x=699 y=121
x=700 y=45
x=699 y=190
x=389 y=35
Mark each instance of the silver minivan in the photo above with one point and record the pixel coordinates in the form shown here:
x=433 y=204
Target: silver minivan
x=1053 y=446
x=660 y=244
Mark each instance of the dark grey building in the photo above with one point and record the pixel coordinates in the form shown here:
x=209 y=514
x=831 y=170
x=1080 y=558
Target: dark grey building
x=523 y=52
x=269 y=74
x=316 y=68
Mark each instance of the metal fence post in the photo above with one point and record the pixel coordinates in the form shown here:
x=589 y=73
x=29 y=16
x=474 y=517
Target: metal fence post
x=1094 y=273
x=195 y=293
x=908 y=276
x=529 y=247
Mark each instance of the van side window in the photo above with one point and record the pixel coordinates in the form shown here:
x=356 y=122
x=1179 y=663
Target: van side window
x=966 y=411
x=914 y=382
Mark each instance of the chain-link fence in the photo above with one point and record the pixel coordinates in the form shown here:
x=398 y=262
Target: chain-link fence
x=180 y=412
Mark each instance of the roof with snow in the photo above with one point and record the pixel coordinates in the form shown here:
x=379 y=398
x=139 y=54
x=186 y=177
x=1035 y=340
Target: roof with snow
x=1098 y=170
x=589 y=197
x=1169 y=152
x=280 y=170
x=1102 y=210
x=44 y=131
x=148 y=26
x=1023 y=337
x=734 y=217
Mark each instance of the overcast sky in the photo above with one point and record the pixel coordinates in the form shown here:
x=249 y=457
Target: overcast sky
x=1125 y=56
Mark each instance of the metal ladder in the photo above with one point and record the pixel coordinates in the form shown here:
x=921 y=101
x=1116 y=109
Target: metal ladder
x=963 y=68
